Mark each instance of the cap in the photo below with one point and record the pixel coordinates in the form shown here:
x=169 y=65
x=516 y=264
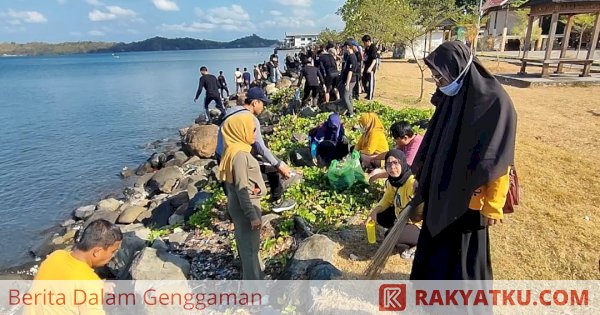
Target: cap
x=348 y=43
x=256 y=93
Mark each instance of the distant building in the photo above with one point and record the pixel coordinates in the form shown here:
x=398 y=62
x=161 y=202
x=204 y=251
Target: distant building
x=299 y=40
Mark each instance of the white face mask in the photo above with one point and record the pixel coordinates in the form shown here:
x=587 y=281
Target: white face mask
x=453 y=88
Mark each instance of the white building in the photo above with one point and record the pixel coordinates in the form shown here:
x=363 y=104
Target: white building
x=299 y=40
x=426 y=44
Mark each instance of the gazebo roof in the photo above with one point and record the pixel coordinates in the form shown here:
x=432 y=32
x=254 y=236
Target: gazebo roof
x=532 y=3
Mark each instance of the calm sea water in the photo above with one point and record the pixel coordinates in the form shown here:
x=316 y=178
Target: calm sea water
x=70 y=123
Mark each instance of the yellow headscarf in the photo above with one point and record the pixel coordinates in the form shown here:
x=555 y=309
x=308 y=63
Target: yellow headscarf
x=238 y=136
x=373 y=141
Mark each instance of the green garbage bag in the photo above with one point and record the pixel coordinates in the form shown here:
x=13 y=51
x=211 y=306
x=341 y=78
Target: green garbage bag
x=343 y=176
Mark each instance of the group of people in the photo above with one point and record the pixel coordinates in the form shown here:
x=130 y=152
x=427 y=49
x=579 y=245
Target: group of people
x=456 y=176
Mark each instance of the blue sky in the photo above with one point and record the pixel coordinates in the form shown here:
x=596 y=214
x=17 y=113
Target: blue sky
x=118 y=20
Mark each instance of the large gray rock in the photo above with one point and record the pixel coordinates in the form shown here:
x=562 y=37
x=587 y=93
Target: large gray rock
x=178 y=239
x=108 y=215
x=316 y=247
x=165 y=180
x=312 y=252
x=130 y=214
x=144 y=168
x=110 y=204
x=133 y=242
x=179 y=199
x=323 y=271
x=153 y=264
x=284 y=83
x=159 y=215
x=201 y=140
x=84 y=212
x=142 y=180
x=271 y=89
x=178 y=159
x=135 y=196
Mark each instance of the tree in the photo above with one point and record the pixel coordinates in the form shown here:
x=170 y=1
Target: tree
x=582 y=25
x=416 y=18
x=520 y=29
x=328 y=35
x=373 y=17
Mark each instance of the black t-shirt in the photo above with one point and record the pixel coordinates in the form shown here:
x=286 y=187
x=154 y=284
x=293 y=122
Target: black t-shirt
x=312 y=75
x=370 y=56
x=351 y=64
x=222 y=81
x=328 y=65
x=210 y=84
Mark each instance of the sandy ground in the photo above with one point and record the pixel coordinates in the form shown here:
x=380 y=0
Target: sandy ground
x=555 y=233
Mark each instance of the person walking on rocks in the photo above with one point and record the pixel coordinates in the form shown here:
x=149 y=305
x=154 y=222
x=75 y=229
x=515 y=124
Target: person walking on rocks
x=245 y=186
x=314 y=80
x=222 y=84
x=239 y=80
x=274 y=169
x=209 y=83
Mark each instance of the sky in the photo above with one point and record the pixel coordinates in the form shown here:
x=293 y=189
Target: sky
x=56 y=21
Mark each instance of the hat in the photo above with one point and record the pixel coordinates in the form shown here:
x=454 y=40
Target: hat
x=256 y=93
x=348 y=43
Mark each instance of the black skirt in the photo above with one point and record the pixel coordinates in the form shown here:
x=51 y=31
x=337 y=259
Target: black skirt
x=459 y=252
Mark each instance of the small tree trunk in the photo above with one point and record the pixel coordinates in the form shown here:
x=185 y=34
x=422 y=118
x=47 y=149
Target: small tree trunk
x=579 y=45
x=421 y=68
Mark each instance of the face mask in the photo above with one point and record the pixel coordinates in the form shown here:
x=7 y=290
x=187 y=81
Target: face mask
x=453 y=88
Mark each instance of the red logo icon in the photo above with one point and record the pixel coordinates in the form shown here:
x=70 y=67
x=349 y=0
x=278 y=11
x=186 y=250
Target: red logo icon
x=392 y=297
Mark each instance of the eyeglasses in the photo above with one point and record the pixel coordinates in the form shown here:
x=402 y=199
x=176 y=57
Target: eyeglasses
x=392 y=163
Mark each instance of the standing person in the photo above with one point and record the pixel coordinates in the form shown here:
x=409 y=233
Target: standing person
x=245 y=187
x=462 y=167
x=359 y=57
x=211 y=85
x=257 y=73
x=98 y=244
x=247 y=78
x=348 y=80
x=222 y=84
x=330 y=72
x=314 y=80
x=274 y=169
x=368 y=76
x=239 y=80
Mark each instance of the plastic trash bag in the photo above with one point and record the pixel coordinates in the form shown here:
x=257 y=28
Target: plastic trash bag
x=348 y=173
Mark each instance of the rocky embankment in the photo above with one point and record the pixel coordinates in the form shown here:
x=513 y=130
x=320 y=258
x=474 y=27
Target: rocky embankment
x=154 y=212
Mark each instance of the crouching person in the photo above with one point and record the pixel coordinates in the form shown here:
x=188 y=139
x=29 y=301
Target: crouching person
x=245 y=187
x=328 y=141
x=398 y=192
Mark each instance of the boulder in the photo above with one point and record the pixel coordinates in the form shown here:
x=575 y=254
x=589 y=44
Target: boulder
x=160 y=245
x=323 y=271
x=165 y=180
x=135 y=196
x=138 y=229
x=144 y=168
x=178 y=159
x=271 y=89
x=308 y=112
x=110 y=204
x=157 y=160
x=316 y=247
x=108 y=215
x=201 y=140
x=183 y=131
x=142 y=180
x=284 y=83
x=126 y=172
x=176 y=218
x=130 y=214
x=179 y=199
x=197 y=200
x=84 y=212
x=133 y=242
x=176 y=240
x=159 y=216
x=153 y=264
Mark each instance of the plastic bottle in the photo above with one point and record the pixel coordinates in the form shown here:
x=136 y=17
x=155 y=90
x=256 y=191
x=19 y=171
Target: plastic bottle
x=371 y=236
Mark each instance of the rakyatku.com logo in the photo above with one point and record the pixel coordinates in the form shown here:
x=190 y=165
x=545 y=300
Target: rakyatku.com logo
x=392 y=297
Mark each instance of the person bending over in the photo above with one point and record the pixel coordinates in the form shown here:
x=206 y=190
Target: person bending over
x=314 y=79
x=328 y=141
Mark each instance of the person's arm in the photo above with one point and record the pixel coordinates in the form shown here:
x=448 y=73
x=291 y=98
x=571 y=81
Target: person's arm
x=200 y=87
x=261 y=148
x=321 y=79
x=242 y=186
x=386 y=201
x=353 y=65
x=373 y=58
x=300 y=78
x=494 y=197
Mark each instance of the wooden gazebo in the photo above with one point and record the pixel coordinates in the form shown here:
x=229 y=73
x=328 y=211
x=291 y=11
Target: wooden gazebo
x=555 y=8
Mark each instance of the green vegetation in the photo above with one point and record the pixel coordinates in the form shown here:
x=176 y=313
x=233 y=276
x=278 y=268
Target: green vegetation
x=151 y=44
x=203 y=216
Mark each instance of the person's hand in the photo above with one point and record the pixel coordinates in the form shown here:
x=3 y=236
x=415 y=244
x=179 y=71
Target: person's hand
x=347 y=87
x=491 y=222
x=256 y=224
x=368 y=159
x=284 y=170
x=369 y=71
x=195 y=100
x=372 y=216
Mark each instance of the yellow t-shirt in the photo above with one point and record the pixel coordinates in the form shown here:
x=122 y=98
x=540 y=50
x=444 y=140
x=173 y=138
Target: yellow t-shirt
x=65 y=274
x=399 y=198
x=490 y=198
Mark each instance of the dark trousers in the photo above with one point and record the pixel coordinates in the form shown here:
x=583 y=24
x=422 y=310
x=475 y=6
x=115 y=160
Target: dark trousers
x=312 y=92
x=410 y=234
x=356 y=89
x=347 y=96
x=274 y=179
x=368 y=80
x=224 y=89
x=217 y=100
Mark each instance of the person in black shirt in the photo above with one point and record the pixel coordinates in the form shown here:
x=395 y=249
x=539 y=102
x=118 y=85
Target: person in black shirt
x=222 y=84
x=328 y=67
x=359 y=57
x=368 y=77
x=348 y=80
x=314 y=80
x=211 y=85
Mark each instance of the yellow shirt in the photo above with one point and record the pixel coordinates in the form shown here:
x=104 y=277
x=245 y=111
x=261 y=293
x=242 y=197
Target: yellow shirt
x=60 y=266
x=490 y=198
x=399 y=198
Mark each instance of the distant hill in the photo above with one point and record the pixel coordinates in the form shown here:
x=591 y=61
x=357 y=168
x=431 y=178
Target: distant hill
x=151 y=44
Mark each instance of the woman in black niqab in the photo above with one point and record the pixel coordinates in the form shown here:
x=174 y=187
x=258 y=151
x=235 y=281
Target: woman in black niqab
x=469 y=143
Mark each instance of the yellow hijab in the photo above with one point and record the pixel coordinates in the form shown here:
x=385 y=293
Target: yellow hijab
x=373 y=141
x=238 y=136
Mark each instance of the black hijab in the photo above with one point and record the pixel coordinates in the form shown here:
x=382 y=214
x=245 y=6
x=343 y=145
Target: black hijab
x=470 y=140
x=405 y=173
